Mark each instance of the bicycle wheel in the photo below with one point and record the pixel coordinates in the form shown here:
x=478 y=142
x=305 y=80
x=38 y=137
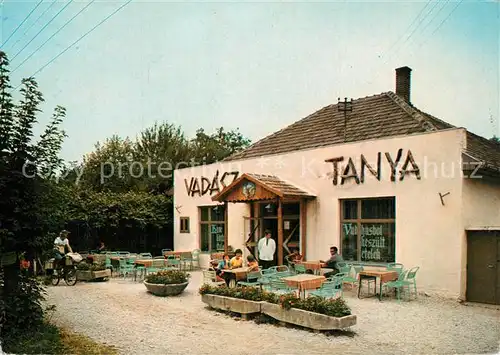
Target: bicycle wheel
x=70 y=277
x=55 y=277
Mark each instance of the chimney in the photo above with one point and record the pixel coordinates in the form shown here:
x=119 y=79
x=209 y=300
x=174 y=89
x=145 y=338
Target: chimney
x=403 y=83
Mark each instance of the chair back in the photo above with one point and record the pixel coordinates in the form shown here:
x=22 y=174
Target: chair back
x=278 y=284
x=158 y=263
x=403 y=275
x=196 y=254
x=338 y=276
x=395 y=267
x=146 y=256
x=282 y=268
x=412 y=273
x=253 y=275
x=123 y=253
x=300 y=268
x=268 y=271
x=173 y=262
x=346 y=269
x=209 y=276
x=332 y=285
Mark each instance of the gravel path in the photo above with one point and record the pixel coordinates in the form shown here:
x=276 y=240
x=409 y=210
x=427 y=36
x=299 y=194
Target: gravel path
x=122 y=313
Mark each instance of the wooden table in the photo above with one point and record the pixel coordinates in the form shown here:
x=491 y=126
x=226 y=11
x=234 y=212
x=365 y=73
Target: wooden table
x=383 y=276
x=239 y=273
x=314 y=265
x=304 y=282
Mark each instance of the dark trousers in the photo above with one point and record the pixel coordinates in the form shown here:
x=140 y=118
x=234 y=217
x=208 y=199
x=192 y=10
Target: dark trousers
x=266 y=264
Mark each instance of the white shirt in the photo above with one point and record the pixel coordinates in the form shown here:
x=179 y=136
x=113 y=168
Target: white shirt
x=60 y=244
x=266 y=247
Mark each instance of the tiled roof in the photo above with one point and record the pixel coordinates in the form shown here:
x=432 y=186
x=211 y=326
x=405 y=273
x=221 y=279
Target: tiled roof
x=277 y=184
x=373 y=117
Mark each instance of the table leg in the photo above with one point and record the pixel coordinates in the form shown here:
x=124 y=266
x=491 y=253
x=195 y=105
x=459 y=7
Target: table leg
x=232 y=283
x=380 y=294
x=360 y=283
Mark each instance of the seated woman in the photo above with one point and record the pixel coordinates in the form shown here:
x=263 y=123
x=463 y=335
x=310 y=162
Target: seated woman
x=223 y=265
x=252 y=264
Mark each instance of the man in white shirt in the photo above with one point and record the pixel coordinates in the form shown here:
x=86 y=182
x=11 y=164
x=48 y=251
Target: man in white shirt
x=267 y=248
x=60 y=245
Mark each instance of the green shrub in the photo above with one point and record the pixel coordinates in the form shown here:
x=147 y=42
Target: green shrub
x=330 y=307
x=169 y=277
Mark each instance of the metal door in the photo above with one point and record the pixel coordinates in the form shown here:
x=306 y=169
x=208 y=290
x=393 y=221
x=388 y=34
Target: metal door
x=483 y=267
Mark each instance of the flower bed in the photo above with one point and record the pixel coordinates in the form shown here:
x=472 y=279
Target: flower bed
x=167 y=283
x=313 y=312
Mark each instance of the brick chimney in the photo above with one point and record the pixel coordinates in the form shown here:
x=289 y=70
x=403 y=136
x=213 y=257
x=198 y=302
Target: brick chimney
x=403 y=83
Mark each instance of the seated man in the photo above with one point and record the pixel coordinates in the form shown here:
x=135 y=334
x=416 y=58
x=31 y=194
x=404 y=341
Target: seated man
x=60 y=245
x=252 y=264
x=331 y=263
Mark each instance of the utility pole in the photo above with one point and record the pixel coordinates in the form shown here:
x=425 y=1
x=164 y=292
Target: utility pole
x=345 y=106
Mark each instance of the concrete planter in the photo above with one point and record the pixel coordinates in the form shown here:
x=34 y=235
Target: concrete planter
x=85 y=275
x=307 y=319
x=165 y=290
x=236 y=305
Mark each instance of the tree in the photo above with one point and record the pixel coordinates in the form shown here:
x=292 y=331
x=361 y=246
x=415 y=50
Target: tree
x=495 y=139
x=208 y=149
x=24 y=170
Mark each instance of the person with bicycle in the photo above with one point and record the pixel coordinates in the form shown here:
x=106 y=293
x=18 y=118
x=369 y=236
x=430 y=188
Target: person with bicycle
x=61 y=243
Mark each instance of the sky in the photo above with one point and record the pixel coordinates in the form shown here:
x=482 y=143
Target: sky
x=256 y=66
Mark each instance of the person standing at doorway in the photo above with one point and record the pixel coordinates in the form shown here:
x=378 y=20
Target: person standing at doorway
x=267 y=248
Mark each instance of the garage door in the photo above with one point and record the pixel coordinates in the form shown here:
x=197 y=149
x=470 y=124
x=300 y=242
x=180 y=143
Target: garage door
x=483 y=267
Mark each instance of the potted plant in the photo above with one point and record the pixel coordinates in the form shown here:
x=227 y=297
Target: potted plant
x=243 y=300
x=167 y=283
x=315 y=313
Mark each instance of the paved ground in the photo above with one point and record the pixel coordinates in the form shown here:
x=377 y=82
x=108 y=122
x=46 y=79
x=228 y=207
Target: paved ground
x=122 y=313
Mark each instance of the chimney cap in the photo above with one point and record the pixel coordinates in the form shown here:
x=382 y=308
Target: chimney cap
x=403 y=69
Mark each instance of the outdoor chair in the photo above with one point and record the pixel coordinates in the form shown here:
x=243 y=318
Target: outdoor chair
x=352 y=276
x=252 y=279
x=411 y=280
x=299 y=268
x=280 y=287
x=125 y=268
x=146 y=256
x=210 y=278
x=195 y=259
x=330 y=289
x=398 y=285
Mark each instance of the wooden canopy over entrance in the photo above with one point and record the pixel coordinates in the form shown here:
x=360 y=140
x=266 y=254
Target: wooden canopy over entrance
x=256 y=187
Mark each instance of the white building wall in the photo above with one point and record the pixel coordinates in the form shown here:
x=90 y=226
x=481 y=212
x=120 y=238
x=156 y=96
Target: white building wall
x=428 y=234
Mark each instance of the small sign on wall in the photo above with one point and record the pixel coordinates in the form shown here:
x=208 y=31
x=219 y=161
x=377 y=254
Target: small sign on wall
x=287 y=225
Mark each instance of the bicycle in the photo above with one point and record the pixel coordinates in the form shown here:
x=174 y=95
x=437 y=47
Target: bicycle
x=66 y=272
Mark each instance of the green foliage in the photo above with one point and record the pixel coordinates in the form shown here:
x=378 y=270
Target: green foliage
x=45 y=339
x=113 y=210
x=330 y=307
x=495 y=139
x=147 y=165
x=83 y=266
x=27 y=215
x=168 y=277
x=23 y=307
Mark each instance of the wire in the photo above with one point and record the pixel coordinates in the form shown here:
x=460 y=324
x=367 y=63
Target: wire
x=408 y=28
x=33 y=24
x=19 y=26
x=413 y=32
x=53 y=35
x=43 y=28
x=442 y=23
x=78 y=40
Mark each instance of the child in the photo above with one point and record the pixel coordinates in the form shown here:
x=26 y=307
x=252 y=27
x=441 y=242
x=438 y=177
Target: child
x=223 y=265
x=237 y=260
x=252 y=264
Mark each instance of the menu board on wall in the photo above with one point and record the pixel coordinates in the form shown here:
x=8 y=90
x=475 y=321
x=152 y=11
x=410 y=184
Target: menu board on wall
x=376 y=243
x=217 y=234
